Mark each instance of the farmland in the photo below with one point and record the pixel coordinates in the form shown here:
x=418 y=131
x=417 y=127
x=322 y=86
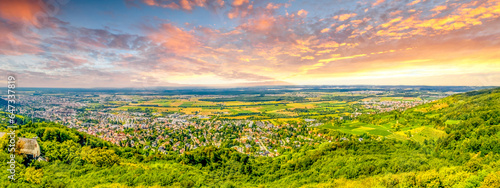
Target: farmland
x=303 y=105
x=337 y=110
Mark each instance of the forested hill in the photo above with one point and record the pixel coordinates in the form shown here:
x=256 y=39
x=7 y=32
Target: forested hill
x=455 y=116
x=475 y=104
x=466 y=154
x=3 y=103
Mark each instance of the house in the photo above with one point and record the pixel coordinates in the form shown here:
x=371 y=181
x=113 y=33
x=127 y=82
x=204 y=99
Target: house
x=309 y=120
x=162 y=150
x=41 y=159
x=29 y=146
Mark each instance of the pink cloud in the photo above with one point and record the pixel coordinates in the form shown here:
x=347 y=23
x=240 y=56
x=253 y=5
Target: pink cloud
x=174 y=39
x=21 y=11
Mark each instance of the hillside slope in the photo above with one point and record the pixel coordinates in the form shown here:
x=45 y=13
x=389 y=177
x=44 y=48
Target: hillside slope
x=466 y=153
x=429 y=121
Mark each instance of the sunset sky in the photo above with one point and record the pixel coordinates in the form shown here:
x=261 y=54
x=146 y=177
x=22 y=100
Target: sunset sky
x=146 y=43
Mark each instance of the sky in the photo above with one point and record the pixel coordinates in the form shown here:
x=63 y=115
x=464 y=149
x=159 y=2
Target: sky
x=149 y=43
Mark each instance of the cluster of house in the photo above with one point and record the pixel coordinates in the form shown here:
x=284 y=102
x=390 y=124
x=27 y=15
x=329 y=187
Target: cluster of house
x=386 y=106
x=132 y=128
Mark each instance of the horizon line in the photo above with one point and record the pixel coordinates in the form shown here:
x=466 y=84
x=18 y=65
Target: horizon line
x=257 y=86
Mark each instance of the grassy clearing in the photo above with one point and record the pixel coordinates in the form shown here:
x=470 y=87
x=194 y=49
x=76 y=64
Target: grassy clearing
x=359 y=128
x=431 y=115
x=422 y=133
x=452 y=122
x=418 y=134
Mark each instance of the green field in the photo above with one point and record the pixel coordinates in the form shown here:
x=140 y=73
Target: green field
x=452 y=122
x=359 y=128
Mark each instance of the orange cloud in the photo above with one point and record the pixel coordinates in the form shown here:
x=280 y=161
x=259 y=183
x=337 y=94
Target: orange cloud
x=391 y=22
x=356 y=22
x=239 y=2
x=462 y=17
x=171 y=5
x=302 y=12
x=344 y=17
x=271 y=6
x=413 y=3
x=186 y=5
x=307 y=57
x=395 y=13
x=439 y=8
x=378 y=2
x=340 y=27
x=323 y=52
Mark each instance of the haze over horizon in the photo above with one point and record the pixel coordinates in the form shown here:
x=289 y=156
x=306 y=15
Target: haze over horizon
x=271 y=87
x=149 y=43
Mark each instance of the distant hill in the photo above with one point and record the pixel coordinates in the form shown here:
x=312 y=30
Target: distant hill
x=466 y=154
x=3 y=103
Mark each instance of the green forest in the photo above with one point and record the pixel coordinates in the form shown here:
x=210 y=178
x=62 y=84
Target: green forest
x=467 y=155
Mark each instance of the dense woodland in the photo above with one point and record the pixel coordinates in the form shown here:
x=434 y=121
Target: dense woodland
x=467 y=156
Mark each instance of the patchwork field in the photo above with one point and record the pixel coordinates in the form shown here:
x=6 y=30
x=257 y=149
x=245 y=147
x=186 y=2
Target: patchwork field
x=312 y=108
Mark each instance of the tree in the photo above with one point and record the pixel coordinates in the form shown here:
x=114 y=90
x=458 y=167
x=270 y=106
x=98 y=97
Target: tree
x=492 y=180
x=33 y=175
x=64 y=152
x=101 y=157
